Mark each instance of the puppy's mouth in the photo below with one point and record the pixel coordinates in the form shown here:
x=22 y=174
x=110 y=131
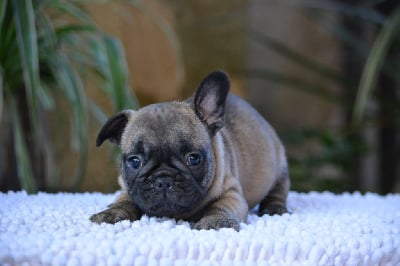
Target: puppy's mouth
x=168 y=209
x=167 y=197
x=164 y=204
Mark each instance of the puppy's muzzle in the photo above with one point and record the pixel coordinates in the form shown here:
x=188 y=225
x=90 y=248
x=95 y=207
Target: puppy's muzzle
x=163 y=183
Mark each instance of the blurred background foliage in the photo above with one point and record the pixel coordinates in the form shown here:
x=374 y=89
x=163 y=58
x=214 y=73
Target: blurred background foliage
x=324 y=73
x=49 y=51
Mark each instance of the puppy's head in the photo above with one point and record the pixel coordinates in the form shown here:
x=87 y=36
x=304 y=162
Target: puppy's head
x=167 y=162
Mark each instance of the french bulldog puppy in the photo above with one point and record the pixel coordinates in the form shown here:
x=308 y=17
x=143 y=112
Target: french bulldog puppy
x=206 y=160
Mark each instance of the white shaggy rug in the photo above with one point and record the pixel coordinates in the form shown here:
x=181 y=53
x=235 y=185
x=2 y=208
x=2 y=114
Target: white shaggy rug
x=323 y=229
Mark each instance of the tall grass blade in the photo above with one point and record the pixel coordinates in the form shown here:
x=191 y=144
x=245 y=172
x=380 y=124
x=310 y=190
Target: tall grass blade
x=45 y=33
x=72 y=86
x=374 y=64
x=65 y=30
x=358 y=12
x=24 y=166
x=344 y=34
x=1 y=93
x=355 y=42
x=45 y=97
x=9 y=53
x=71 y=8
x=295 y=57
x=166 y=29
x=3 y=5
x=293 y=82
x=97 y=112
x=117 y=74
x=27 y=43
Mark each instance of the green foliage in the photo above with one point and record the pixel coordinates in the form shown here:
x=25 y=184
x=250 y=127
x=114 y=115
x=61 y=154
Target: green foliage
x=374 y=63
x=313 y=149
x=49 y=48
x=320 y=159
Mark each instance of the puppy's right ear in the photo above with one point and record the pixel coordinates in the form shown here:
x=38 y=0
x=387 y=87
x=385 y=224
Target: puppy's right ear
x=209 y=100
x=113 y=128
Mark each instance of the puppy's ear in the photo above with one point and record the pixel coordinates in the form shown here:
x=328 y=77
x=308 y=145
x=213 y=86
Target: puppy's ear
x=209 y=100
x=113 y=128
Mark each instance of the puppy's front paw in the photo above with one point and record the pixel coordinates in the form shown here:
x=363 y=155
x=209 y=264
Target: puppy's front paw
x=110 y=216
x=118 y=211
x=273 y=209
x=216 y=222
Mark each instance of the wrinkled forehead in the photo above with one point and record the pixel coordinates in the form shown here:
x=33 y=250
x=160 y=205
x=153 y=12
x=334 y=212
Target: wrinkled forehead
x=167 y=124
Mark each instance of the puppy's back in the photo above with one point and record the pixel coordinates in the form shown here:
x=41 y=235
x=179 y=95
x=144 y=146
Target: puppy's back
x=259 y=153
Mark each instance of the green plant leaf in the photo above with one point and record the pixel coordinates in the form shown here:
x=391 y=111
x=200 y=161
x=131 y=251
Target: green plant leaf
x=97 y=112
x=24 y=166
x=71 y=8
x=65 y=30
x=293 y=82
x=72 y=86
x=45 y=32
x=47 y=44
x=3 y=5
x=45 y=49
x=360 y=12
x=303 y=61
x=1 y=92
x=27 y=43
x=343 y=33
x=165 y=29
x=374 y=64
x=45 y=97
x=117 y=74
x=9 y=53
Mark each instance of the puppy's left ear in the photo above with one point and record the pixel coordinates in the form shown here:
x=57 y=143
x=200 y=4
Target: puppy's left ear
x=210 y=98
x=113 y=128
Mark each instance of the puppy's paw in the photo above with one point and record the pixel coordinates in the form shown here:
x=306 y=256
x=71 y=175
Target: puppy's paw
x=216 y=222
x=110 y=216
x=273 y=209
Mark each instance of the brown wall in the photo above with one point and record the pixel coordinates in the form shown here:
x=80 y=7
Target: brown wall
x=155 y=70
x=195 y=37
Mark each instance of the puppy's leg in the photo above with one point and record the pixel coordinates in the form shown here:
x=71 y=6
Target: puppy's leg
x=122 y=209
x=227 y=212
x=275 y=201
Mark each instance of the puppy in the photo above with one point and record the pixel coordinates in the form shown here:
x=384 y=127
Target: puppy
x=207 y=160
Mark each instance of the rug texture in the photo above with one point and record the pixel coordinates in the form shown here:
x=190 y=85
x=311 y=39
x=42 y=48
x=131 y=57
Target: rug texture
x=323 y=229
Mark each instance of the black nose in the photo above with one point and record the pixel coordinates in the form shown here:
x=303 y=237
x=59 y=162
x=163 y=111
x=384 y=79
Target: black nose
x=163 y=183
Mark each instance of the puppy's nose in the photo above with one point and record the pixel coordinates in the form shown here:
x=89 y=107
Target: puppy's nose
x=163 y=183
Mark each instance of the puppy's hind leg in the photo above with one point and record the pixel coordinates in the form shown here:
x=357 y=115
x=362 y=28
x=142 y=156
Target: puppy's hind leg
x=275 y=201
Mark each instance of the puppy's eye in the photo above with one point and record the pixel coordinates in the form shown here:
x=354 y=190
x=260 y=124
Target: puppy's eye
x=194 y=159
x=134 y=162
